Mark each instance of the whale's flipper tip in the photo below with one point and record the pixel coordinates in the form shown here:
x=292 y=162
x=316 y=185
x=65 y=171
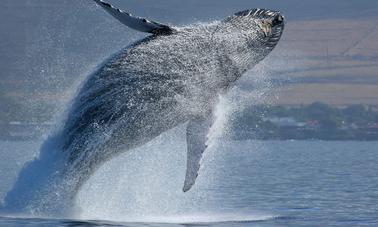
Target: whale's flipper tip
x=134 y=22
x=189 y=182
x=186 y=188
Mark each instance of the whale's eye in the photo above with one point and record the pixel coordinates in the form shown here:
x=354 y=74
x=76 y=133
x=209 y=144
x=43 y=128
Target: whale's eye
x=278 y=20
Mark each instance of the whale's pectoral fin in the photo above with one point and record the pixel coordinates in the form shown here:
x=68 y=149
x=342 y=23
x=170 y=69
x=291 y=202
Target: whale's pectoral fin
x=196 y=137
x=137 y=23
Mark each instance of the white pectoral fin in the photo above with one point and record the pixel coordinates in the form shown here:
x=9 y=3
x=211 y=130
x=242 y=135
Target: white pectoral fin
x=137 y=23
x=196 y=137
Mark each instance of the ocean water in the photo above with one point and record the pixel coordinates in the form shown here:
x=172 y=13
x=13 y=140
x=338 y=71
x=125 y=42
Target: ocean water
x=241 y=183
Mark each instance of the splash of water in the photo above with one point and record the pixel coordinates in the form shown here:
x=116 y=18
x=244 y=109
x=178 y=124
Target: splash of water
x=42 y=187
x=144 y=185
x=141 y=185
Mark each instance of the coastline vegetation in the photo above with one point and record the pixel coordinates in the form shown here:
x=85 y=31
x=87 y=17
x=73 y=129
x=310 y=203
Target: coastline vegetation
x=315 y=121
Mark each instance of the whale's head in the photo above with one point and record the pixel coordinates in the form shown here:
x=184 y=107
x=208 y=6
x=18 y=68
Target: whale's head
x=259 y=24
x=252 y=34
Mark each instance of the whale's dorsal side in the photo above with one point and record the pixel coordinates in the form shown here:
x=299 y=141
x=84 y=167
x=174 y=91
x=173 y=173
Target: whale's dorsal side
x=134 y=22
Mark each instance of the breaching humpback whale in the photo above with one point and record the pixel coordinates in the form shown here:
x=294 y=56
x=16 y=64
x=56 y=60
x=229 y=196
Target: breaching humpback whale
x=173 y=76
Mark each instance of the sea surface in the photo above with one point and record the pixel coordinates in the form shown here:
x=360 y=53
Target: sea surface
x=241 y=183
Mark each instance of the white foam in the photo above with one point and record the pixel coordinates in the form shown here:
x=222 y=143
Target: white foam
x=200 y=218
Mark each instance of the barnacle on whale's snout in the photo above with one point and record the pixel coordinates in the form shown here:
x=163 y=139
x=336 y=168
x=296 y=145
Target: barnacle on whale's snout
x=266 y=27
